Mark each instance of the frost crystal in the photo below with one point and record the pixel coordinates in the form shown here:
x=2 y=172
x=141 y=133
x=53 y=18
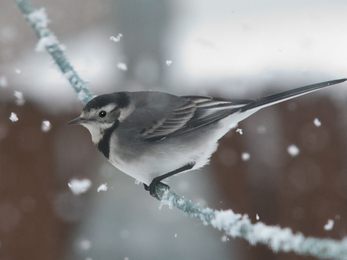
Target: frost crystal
x=293 y=150
x=329 y=225
x=102 y=187
x=46 y=126
x=3 y=81
x=19 y=98
x=317 y=122
x=239 y=130
x=13 y=117
x=122 y=66
x=168 y=62
x=116 y=39
x=79 y=186
x=245 y=156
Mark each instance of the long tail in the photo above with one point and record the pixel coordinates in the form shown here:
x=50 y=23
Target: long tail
x=289 y=94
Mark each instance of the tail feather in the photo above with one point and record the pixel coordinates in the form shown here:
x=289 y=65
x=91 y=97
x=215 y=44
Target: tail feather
x=289 y=94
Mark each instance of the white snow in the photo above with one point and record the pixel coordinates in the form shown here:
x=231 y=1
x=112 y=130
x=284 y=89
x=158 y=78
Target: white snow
x=102 y=187
x=122 y=66
x=329 y=225
x=18 y=71
x=13 y=117
x=239 y=130
x=3 y=81
x=116 y=39
x=168 y=62
x=245 y=156
x=46 y=126
x=81 y=95
x=19 y=98
x=79 y=186
x=38 y=17
x=175 y=235
x=317 y=122
x=293 y=150
x=257 y=216
x=46 y=41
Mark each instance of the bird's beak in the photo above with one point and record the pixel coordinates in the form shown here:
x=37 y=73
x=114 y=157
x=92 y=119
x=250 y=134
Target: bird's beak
x=76 y=121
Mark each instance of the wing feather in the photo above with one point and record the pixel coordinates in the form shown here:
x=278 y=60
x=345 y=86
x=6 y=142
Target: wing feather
x=198 y=112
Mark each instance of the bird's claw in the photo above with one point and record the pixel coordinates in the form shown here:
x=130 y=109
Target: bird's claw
x=152 y=188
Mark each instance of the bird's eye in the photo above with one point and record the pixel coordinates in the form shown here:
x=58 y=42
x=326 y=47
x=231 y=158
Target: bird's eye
x=102 y=113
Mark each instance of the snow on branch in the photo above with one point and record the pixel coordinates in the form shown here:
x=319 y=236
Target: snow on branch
x=234 y=225
x=237 y=225
x=38 y=20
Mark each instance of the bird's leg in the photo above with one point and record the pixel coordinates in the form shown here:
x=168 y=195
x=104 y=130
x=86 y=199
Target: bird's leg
x=156 y=180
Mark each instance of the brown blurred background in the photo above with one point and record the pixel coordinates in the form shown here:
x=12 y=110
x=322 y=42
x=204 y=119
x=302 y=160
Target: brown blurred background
x=40 y=218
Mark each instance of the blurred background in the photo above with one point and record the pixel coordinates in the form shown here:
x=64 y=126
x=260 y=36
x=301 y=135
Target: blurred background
x=289 y=166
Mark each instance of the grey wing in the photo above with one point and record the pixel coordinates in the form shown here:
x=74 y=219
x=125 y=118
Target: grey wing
x=198 y=112
x=173 y=121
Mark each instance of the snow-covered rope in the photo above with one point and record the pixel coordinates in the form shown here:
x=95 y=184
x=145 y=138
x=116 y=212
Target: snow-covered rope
x=234 y=225
x=237 y=225
x=38 y=20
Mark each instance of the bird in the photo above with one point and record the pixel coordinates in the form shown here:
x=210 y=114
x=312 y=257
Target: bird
x=152 y=135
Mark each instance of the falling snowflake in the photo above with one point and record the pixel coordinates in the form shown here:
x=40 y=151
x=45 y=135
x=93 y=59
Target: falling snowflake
x=79 y=186
x=13 y=117
x=245 y=156
x=317 y=122
x=19 y=98
x=46 y=126
x=293 y=150
x=116 y=39
x=329 y=225
x=239 y=130
x=122 y=66
x=102 y=187
x=168 y=62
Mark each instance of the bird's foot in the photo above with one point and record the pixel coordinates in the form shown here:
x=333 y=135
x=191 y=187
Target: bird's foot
x=152 y=188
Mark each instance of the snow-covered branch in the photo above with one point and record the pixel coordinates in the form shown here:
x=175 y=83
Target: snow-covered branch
x=237 y=225
x=38 y=20
x=234 y=225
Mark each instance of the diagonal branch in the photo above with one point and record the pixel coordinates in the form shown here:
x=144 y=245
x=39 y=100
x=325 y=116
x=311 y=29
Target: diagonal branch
x=38 y=20
x=234 y=225
x=237 y=225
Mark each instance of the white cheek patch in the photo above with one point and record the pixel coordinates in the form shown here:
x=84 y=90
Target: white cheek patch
x=125 y=112
x=94 y=132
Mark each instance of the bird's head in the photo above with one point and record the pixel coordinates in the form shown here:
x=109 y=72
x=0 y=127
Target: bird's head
x=104 y=112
